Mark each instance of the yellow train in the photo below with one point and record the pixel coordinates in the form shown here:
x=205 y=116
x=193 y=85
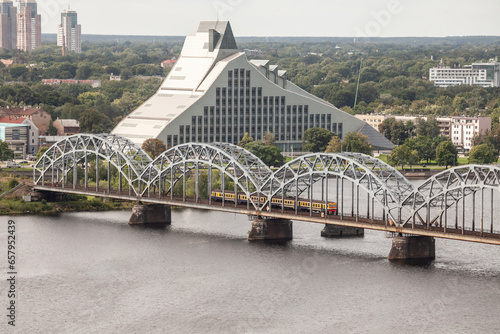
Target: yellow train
x=287 y=203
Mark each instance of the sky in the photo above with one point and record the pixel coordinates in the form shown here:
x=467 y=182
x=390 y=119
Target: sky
x=332 y=18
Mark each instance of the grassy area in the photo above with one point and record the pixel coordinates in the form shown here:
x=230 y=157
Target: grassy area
x=16 y=205
x=22 y=169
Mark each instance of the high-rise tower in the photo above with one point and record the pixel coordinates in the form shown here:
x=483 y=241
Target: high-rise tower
x=29 y=26
x=8 y=24
x=70 y=31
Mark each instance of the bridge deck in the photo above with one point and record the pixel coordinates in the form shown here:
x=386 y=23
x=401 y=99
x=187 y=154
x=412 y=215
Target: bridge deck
x=360 y=221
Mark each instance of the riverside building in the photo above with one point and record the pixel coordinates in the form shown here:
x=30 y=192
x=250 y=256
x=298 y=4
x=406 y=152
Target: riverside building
x=215 y=94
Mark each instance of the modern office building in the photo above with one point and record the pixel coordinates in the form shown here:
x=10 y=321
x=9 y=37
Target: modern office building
x=214 y=94
x=16 y=137
x=481 y=74
x=32 y=143
x=69 y=32
x=8 y=25
x=29 y=26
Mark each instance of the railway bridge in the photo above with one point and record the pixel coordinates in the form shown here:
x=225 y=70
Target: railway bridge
x=348 y=192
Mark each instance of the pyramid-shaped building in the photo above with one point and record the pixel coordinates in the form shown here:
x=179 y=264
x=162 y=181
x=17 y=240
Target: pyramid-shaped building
x=215 y=94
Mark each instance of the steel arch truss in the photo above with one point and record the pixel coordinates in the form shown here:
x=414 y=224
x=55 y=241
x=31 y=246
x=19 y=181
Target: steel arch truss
x=430 y=202
x=65 y=155
x=243 y=168
x=381 y=181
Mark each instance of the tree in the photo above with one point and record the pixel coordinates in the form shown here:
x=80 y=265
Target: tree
x=93 y=121
x=403 y=155
x=5 y=152
x=334 y=146
x=92 y=99
x=269 y=154
x=482 y=154
x=245 y=140
x=446 y=154
x=429 y=127
x=492 y=138
x=154 y=146
x=269 y=139
x=40 y=152
x=52 y=130
x=425 y=146
x=357 y=142
x=316 y=139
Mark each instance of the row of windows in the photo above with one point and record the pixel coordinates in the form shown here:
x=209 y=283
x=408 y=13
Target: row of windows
x=233 y=134
x=238 y=77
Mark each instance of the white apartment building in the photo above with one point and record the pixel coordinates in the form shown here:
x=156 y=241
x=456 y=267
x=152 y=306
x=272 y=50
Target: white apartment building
x=461 y=130
x=481 y=74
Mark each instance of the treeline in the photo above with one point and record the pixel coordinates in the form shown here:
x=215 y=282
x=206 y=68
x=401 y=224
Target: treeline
x=393 y=78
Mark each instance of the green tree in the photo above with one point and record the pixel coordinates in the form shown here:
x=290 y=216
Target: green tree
x=40 y=152
x=5 y=152
x=269 y=154
x=245 y=140
x=334 y=146
x=316 y=139
x=92 y=99
x=429 y=127
x=482 y=154
x=357 y=142
x=93 y=121
x=52 y=130
x=154 y=146
x=446 y=154
x=403 y=155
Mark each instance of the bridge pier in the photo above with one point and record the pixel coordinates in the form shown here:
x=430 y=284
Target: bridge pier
x=271 y=230
x=337 y=231
x=151 y=215
x=413 y=249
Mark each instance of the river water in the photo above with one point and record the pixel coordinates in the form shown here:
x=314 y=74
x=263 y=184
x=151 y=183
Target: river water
x=92 y=273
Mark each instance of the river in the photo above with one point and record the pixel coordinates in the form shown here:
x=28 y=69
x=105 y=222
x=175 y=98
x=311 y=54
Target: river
x=93 y=273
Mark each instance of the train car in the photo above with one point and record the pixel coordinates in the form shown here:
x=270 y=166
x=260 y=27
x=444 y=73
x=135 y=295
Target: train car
x=287 y=203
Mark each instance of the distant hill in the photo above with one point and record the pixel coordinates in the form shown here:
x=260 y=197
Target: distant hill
x=453 y=40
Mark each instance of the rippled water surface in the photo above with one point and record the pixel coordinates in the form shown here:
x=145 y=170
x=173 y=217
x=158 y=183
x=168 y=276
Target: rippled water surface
x=92 y=273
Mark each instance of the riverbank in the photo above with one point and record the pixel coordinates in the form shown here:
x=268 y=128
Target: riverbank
x=13 y=203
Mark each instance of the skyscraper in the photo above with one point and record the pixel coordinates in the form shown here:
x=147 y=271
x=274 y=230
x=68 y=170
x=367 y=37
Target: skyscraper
x=8 y=24
x=69 y=32
x=29 y=26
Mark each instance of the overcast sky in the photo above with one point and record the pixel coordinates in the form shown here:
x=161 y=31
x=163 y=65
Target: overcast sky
x=343 y=18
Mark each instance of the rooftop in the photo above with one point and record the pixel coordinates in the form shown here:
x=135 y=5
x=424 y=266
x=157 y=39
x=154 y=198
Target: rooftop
x=12 y=120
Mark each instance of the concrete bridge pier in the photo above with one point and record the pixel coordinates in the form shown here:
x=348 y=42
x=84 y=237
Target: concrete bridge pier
x=413 y=249
x=151 y=215
x=336 y=231
x=271 y=230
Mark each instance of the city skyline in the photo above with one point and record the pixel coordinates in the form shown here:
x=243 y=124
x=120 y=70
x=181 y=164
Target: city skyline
x=357 y=18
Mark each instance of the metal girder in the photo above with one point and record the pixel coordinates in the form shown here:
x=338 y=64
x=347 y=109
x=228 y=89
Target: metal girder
x=380 y=180
x=65 y=155
x=245 y=170
x=399 y=199
x=446 y=189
